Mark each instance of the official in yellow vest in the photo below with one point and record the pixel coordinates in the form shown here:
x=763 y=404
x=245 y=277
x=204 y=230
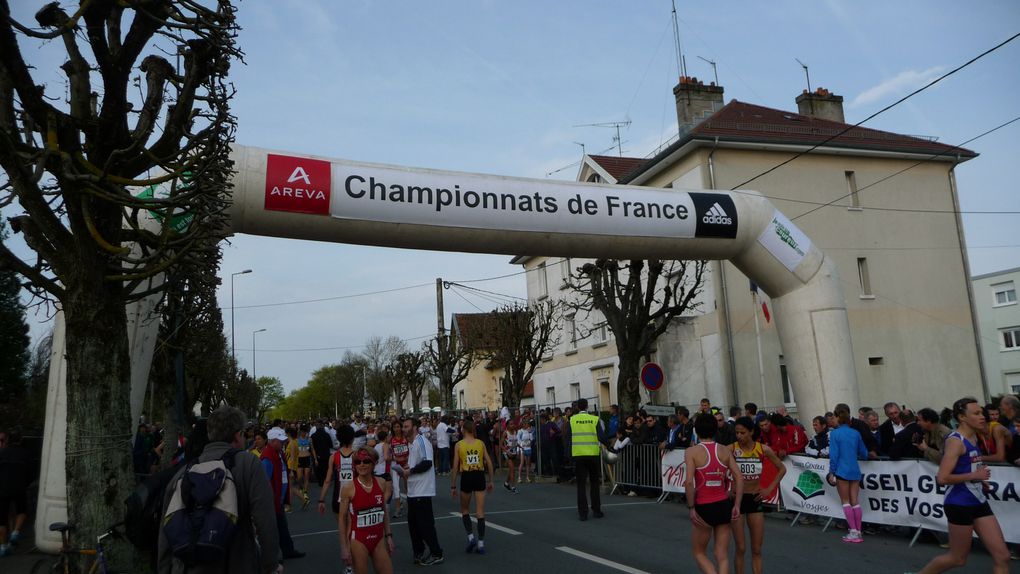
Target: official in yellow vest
x=584 y=448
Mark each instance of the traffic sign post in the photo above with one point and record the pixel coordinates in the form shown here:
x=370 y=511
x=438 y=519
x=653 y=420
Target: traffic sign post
x=652 y=376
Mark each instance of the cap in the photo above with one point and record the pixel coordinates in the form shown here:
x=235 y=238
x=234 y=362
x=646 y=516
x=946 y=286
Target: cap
x=276 y=433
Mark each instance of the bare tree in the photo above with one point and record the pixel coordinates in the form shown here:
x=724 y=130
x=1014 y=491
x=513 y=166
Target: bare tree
x=381 y=354
x=410 y=367
x=76 y=172
x=639 y=299
x=450 y=360
x=520 y=336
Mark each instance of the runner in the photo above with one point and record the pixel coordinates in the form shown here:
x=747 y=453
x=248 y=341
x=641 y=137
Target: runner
x=708 y=495
x=305 y=460
x=384 y=458
x=750 y=456
x=524 y=441
x=846 y=447
x=966 y=506
x=401 y=450
x=341 y=469
x=363 y=522
x=472 y=461
x=291 y=451
x=510 y=453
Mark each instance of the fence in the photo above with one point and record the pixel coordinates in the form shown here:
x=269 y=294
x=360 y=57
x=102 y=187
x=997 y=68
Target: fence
x=638 y=466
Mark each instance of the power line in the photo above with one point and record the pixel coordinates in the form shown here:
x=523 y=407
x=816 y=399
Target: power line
x=347 y=348
x=457 y=293
x=502 y=295
x=337 y=298
x=890 y=176
x=885 y=109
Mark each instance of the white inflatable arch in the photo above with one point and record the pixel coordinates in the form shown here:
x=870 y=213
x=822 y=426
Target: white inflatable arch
x=322 y=199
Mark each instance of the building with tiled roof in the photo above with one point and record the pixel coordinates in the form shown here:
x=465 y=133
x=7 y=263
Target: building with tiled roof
x=882 y=205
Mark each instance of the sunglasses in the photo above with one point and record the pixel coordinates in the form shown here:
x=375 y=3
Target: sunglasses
x=363 y=461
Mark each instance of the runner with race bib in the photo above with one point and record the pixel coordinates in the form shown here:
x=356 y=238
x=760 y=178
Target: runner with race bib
x=341 y=469
x=750 y=455
x=471 y=460
x=401 y=452
x=363 y=521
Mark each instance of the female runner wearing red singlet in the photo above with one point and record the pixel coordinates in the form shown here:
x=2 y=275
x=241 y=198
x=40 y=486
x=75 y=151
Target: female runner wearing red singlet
x=708 y=495
x=364 y=524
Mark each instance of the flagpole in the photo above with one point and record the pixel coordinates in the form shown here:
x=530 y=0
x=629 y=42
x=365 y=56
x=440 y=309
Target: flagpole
x=757 y=338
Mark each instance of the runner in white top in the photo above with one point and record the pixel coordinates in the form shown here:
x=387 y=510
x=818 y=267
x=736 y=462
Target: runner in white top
x=524 y=439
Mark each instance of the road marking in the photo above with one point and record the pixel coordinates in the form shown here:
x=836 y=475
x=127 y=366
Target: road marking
x=488 y=524
x=602 y=561
x=488 y=512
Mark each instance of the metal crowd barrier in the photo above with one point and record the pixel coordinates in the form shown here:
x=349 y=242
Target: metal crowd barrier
x=638 y=466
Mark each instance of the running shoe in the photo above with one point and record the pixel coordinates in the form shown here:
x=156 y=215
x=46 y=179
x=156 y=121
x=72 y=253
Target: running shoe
x=481 y=549
x=305 y=499
x=472 y=545
x=513 y=490
x=287 y=508
x=506 y=484
x=432 y=560
x=14 y=538
x=853 y=537
x=418 y=560
x=5 y=550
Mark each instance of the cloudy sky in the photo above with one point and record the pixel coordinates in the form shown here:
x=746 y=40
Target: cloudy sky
x=498 y=87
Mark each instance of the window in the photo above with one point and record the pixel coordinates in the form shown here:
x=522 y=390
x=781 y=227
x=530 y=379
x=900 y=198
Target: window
x=784 y=377
x=601 y=333
x=1005 y=294
x=865 y=277
x=575 y=391
x=851 y=186
x=876 y=361
x=1010 y=339
x=550 y=395
x=571 y=328
x=543 y=281
x=565 y=270
x=460 y=400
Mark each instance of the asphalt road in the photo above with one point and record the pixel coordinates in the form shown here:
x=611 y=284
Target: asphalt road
x=538 y=528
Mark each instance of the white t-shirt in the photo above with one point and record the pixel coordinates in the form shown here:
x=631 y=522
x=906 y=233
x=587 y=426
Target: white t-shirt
x=423 y=483
x=359 y=441
x=504 y=413
x=524 y=439
x=442 y=437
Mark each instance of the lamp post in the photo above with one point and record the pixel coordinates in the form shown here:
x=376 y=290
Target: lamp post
x=253 y=333
x=233 y=355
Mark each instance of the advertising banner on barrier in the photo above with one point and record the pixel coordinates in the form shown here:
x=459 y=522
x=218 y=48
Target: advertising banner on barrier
x=674 y=473
x=897 y=493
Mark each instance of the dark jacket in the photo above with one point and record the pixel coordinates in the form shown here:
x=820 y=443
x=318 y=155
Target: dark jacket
x=903 y=443
x=257 y=520
x=886 y=435
x=322 y=443
x=869 y=440
x=725 y=435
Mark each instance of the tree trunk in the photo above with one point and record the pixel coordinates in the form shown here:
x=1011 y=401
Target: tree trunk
x=99 y=433
x=446 y=394
x=416 y=402
x=627 y=391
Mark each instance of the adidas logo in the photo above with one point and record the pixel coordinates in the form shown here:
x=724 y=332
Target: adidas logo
x=717 y=216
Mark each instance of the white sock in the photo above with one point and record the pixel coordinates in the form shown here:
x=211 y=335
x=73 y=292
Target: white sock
x=471 y=537
x=481 y=544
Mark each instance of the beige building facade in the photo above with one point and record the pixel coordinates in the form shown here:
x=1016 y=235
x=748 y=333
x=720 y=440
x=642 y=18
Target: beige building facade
x=995 y=297
x=884 y=206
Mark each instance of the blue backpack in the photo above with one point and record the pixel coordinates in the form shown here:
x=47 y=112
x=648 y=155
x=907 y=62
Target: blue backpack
x=202 y=515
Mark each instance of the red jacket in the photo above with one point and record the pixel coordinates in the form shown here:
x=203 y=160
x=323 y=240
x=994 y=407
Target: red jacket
x=276 y=478
x=791 y=441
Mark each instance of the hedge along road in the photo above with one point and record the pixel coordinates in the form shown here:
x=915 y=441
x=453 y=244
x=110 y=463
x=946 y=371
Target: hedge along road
x=539 y=528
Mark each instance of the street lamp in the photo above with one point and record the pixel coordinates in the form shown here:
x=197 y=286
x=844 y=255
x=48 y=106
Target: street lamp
x=232 y=354
x=253 y=333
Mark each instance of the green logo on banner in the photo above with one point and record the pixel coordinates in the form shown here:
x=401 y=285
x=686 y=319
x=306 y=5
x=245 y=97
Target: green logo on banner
x=179 y=220
x=809 y=485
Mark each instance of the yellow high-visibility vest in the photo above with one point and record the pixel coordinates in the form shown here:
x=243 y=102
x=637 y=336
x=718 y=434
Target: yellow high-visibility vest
x=584 y=437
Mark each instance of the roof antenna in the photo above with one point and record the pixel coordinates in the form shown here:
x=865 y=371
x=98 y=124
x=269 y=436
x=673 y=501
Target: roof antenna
x=681 y=62
x=616 y=138
x=806 y=74
x=583 y=153
x=714 y=71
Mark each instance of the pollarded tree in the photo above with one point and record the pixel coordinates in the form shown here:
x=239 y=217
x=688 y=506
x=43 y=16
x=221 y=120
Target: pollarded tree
x=117 y=184
x=410 y=368
x=639 y=299
x=520 y=335
x=449 y=360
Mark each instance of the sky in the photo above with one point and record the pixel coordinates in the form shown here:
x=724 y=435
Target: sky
x=500 y=88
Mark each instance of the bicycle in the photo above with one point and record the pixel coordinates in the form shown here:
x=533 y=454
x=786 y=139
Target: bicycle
x=66 y=561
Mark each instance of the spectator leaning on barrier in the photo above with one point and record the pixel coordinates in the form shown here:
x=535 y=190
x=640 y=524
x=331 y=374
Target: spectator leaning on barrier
x=874 y=429
x=655 y=433
x=1009 y=408
x=724 y=433
x=819 y=444
x=933 y=444
x=905 y=442
x=786 y=437
x=890 y=428
x=614 y=419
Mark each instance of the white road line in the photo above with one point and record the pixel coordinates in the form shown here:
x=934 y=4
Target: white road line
x=598 y=560
x=488 y=524
x=489 y=512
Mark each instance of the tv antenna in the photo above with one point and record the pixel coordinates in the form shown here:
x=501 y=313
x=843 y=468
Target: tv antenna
x=714 y=71
x=681 y=62
x=616 y=138
x=806 y=74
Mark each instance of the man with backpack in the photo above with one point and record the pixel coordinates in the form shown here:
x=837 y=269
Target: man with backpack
x=243 y=491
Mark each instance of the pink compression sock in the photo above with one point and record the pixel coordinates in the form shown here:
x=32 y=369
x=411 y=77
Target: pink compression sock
x=857 y=517
x=849 y=513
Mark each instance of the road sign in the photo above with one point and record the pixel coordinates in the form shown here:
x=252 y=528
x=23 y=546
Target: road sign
x=652 y=376
x=659 y=410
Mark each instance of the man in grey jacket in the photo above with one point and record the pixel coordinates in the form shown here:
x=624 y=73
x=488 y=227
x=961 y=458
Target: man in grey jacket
x=255 y=547
x=934 y=444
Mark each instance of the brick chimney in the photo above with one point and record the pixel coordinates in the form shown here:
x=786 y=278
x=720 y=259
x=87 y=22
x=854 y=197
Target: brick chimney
x=821 y=104
x=695 y=101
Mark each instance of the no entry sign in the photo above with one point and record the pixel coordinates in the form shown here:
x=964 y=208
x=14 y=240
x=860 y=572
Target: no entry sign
x=652 y=376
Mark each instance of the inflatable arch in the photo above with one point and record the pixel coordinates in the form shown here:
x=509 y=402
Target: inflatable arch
x=316 y=198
